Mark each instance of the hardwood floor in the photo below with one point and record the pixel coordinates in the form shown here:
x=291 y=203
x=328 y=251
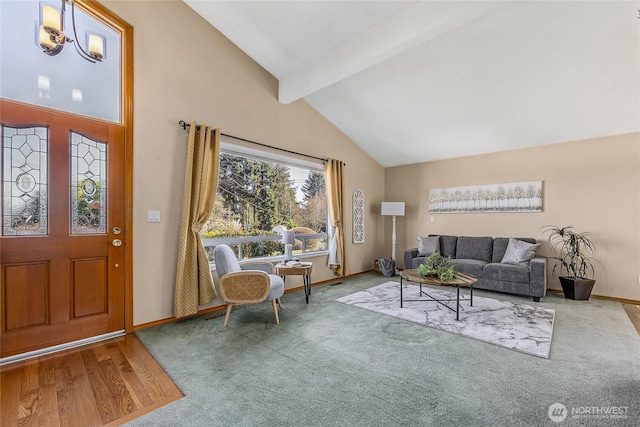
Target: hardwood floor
x=101 y=384
x=633 y=311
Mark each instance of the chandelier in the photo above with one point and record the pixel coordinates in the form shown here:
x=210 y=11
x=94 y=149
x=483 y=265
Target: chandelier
x=51 y=37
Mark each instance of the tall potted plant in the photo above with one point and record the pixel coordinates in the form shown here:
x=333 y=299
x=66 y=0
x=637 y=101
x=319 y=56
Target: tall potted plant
x=574 y=259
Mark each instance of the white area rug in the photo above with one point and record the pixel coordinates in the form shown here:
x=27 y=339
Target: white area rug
x=515 y=326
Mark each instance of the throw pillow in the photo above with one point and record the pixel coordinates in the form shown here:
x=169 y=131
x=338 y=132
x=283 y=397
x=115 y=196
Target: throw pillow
x=519 y=252
x=428 y=245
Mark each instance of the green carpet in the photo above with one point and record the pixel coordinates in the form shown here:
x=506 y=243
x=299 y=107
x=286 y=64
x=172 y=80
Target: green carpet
x=328 y=364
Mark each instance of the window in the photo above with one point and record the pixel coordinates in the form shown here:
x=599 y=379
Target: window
x=65 y=82
x=260 y=195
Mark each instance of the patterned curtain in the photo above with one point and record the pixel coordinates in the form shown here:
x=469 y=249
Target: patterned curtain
x=194 y=284
x=334 y=172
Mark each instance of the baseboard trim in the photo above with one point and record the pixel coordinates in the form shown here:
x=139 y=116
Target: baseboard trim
x=620 y=300
x=324 y=282
x=222 y=307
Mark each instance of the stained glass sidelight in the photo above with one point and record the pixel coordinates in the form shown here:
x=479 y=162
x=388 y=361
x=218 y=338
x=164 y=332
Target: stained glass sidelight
x=24 y=181
x=88 y=185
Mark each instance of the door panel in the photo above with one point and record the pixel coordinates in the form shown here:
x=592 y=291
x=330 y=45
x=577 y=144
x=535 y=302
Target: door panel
x=90 y=287
x=62 y=286
x=26 y=292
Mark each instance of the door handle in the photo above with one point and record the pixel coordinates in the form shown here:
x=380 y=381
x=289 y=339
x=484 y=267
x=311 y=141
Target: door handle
x=116 y=242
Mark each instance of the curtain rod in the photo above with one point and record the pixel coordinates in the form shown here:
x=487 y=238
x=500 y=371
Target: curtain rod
x=184 y=125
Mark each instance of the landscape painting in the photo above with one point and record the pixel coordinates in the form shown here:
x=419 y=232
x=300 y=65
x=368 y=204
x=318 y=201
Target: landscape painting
x=513 y=197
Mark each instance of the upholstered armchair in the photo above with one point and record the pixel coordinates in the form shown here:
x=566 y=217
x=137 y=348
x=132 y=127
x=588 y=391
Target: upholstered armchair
x=247 y=283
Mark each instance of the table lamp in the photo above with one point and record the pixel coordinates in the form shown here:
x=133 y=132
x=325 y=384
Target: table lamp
x=288 y=238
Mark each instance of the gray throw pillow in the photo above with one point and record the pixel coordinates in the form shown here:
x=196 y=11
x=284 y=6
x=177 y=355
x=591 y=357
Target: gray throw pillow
x=428 y=245
x=519 y=252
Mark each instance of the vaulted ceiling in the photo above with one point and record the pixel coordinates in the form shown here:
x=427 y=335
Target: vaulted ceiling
x=419 y=81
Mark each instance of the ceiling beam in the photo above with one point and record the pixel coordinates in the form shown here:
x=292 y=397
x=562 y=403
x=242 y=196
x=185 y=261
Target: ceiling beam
x=401 y=32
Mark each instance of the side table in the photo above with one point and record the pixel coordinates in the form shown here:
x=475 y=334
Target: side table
x=303 y=270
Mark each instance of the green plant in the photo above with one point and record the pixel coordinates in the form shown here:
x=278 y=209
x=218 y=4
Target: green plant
x=436 y=264
x=574 y=249
x=447 y=273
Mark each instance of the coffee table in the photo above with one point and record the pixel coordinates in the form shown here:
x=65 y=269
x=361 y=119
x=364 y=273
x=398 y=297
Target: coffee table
x=460 y=280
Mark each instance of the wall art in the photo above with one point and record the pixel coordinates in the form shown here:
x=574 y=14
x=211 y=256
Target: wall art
x=358 y=216
x=512 y=197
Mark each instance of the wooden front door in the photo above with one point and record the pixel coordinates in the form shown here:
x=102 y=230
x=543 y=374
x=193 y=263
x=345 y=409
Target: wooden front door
x=62 y=252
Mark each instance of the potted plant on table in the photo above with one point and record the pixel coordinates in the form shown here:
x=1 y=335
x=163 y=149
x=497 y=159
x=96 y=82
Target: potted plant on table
x=574 y=259
x=437 y=265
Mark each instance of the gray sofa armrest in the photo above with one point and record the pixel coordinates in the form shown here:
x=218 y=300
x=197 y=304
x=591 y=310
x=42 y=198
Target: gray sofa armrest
x=538 y=276
x=409 y=254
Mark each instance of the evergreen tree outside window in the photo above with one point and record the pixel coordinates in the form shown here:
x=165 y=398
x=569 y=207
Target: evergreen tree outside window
x=258 y=197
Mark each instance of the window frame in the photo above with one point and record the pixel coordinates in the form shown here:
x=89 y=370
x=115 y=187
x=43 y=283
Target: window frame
x=233 y=149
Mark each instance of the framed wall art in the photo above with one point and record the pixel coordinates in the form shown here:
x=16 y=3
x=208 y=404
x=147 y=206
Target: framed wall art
x=358 y=216
x=512 y=197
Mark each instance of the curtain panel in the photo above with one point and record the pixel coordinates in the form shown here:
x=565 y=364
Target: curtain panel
x=334 y=172
x=194 y=284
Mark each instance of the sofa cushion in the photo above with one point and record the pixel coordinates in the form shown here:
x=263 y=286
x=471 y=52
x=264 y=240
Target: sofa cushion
x=519 y=252
x=469 y=266
x=506 y=272
x=415 y=262
x=480 y=248
x=500 y=246
x=448 y=246
x=428 y=245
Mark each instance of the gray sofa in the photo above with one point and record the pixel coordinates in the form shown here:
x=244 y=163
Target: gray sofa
x=483 y=257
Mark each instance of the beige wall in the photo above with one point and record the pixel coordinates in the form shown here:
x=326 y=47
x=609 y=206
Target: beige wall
x=592 y=184
x=186 y=70
x=197 y=74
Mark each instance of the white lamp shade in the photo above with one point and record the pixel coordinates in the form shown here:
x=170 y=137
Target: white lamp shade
x=44 y=40
x=95 y=45
x=50 y=19
x=392 y=208
x=288 y=237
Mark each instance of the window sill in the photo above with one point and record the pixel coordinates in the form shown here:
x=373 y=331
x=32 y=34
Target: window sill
x=278 y=258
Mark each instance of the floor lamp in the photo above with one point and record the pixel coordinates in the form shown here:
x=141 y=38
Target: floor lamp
x=393 y=209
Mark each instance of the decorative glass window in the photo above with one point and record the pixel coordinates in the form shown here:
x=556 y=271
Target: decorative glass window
x=24 y=181
x=88 y=185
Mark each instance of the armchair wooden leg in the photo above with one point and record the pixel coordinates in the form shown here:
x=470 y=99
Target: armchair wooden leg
x=279 y=302
x=275 y=311
x=226 y=315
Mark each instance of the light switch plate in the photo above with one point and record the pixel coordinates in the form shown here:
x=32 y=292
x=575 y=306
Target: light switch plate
x=153 y=216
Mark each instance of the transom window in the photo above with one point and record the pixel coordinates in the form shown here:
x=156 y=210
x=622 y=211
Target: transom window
x=64 y=82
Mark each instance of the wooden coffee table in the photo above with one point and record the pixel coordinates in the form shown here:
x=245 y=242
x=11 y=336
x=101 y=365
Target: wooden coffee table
x=460 y=280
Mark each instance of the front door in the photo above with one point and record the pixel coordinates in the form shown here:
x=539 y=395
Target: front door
x=62 y=253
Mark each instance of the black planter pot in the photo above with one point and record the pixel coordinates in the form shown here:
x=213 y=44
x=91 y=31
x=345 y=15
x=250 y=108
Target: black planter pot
x=576 y=289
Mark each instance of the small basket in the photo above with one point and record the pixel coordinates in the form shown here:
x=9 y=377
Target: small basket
x=376 y=267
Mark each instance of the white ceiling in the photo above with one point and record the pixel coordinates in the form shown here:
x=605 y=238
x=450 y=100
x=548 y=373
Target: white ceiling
x=418 y=81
